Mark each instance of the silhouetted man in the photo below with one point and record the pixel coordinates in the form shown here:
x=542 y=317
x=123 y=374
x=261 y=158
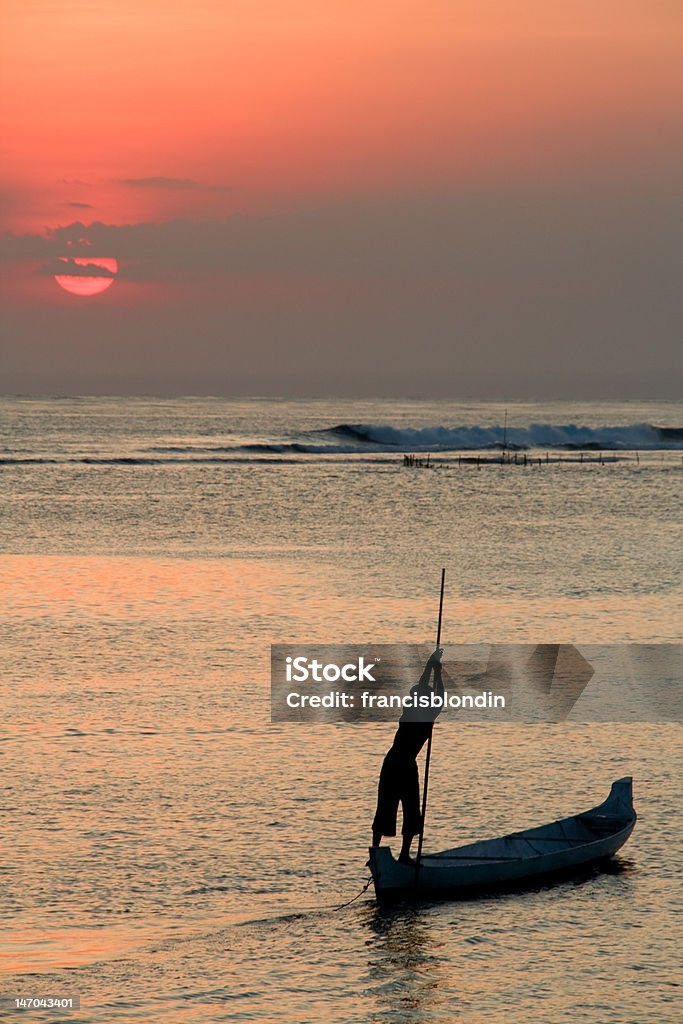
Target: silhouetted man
x=399 y=780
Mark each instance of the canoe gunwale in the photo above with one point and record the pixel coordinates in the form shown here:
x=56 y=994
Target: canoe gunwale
x=462 y=871
x=534 y=855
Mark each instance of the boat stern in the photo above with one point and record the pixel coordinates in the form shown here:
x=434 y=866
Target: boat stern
x=388 y=875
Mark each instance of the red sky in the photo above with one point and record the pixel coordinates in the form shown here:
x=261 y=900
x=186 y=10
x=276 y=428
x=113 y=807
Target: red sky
x=147 y=112
x=279 y=98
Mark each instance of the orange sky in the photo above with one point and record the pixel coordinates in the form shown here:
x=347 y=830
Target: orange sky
x=495 y=183
x=269 y=99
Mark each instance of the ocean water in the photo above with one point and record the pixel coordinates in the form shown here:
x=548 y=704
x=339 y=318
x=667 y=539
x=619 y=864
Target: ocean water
x=170 y=855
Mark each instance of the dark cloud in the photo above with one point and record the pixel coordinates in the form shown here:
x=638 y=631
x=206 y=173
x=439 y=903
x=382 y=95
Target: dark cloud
x=80 y=206
x=73 y=181
x=536 y=286
x=532 y=245
x=171 y=183
x=67 y=267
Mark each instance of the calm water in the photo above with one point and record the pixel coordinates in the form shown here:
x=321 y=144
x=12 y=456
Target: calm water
x=169 y=854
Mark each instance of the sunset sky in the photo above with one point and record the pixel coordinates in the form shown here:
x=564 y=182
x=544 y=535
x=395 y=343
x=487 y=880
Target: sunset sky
x=448 y=197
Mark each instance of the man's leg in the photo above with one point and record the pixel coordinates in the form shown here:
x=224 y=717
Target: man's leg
x=384 y=823
x=412 y=818
x=404 y=856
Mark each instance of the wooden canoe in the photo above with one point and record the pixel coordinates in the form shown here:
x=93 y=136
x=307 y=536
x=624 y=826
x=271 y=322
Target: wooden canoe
x=514 y=860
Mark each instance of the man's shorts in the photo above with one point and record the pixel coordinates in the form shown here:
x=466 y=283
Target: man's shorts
x=399 y=782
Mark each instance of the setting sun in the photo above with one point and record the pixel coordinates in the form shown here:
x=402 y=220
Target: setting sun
x=86 y=280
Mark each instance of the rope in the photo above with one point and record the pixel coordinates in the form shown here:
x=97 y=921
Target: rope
x=364 y=889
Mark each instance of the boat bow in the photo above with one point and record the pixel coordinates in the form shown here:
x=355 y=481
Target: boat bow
x=514 y=859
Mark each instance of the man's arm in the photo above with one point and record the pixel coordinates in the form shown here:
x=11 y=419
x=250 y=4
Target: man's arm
x=438 y=680
x=423 y=681
x=437 y=688
x=433 y=665
x=422 y=688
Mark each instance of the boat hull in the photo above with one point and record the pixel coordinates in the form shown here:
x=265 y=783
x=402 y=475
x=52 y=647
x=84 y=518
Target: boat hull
x=518 y=860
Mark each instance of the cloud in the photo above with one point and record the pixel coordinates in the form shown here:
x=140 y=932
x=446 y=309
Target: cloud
x=535 y=286
x=500 y=244
x=67 y=267
x=73 y=181
x=171 y=183
x=80 y=206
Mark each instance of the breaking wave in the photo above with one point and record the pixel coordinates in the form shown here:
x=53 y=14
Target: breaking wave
x=358 y=438
x=568 y=436
x=372 y=440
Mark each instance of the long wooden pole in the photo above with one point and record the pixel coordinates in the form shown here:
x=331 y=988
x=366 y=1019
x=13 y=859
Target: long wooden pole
x=429 y=745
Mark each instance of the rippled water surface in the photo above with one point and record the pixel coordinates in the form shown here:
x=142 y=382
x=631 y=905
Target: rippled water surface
x=171 y=856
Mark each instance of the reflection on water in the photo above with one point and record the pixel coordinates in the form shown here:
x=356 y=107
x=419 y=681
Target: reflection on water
x=405 y=970
x=412 y=975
